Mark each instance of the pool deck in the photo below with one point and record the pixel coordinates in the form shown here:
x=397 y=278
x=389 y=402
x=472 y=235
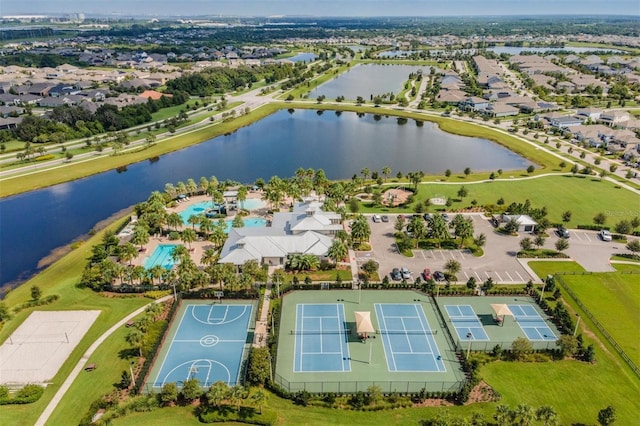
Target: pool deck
x=197 y=247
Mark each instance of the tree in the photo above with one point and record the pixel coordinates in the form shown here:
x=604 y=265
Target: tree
x=531 y=169
x=471 y=283
x=462 y=192
x=566 y=217
x=338 y=251
x=463 y=227
x=447 y=173
x=526 y=414
x=607 y=416
x=634 y=247
x=217 y=393
x=188 y=236
x=365 y=172
x=236 y=394
x=360 y=230
x=562 y=244
x=169 y=393
x=480 y=240
x=547 y=415
x=258 y=397
x=191 y=389
x=439 y=229
x=140 y=235
x=36 y=293
x=511 y=226
x=568 y=345
x=237 y=222
x=539 y=241
x=467 y=171
x=128 y=252
x=452 y=267
x=417 y=227
x=136 y=339
x=623 y=227
x=386 y=171
x=354 y=205
x=242 y=195
x=526 y=244
x=520 y=348
x=599 y=219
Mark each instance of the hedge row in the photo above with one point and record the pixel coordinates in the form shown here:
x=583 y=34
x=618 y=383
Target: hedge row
x=27 y=395
x=33 y=303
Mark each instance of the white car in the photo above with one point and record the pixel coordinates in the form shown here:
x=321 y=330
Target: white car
x=376 y=218
x=605 y=235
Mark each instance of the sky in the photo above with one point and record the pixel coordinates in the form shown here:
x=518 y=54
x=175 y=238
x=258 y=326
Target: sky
x=321 y=7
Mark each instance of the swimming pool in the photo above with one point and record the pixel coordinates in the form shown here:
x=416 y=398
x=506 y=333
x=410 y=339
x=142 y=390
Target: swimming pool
x=251 y=222
x=196 y=209
x=161 y=256
x=252 y=204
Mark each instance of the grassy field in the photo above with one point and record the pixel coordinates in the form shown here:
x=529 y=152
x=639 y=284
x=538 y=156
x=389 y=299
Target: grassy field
x=626 y=267
x=614 y=299
x=585 y=197
x=61 y=278
x=544 y=268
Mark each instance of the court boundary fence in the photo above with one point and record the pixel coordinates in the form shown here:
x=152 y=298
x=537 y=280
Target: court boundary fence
x=597 y=323
x=388 y=387
x=141 y=381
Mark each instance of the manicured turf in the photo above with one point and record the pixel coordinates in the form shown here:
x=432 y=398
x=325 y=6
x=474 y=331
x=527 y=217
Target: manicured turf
x=614 y=299
x=61 y=278
x=544 y=268
x=626 y=267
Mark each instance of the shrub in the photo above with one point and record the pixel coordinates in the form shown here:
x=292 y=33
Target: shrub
x=27 y=395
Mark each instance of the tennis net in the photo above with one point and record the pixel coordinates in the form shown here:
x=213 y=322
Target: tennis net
x=307 y=332
x=413 y=332
x=527 y=319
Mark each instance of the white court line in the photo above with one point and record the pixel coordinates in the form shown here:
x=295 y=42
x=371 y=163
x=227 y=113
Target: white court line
x=321 y=316
x=395 y=368
x=171 y=344
x=322 y=353
x=198 y=341
x=342 y=354
x=427 y=337
x=406 y=335
x=414 y=353
x=521 y=279
x=320 y=334
x=401 y=316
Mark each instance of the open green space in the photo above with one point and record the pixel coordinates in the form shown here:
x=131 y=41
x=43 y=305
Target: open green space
x=543 y=268
x=584 y=197
x=626 y=266
x=614 y=299
x=61 y=278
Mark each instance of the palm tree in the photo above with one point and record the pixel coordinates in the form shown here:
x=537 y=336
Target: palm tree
x=188 y=236
x=191 y=186
x=179 y=253
x=452 y=267
x=547 y=415
x=236 y=394
x=218 y=236
x=170 y=190
x=140 y=236
x=237 y=222
x=526 y=414
x=242 y=195
x=463 y=228
x=480 y=240
x=439 y=229
x=181 y=188
x=338 y=251
x=174 y=220
x=209 y=257
x=136 y=339
x=203 y=184
x=217 y=393
x=539 y=241
x=258 y=397
x=206 y=226
x=128 y=252
x=365 y=173
x=417 y=227
x=303 y=262
x=360 y=230
x=386 y=171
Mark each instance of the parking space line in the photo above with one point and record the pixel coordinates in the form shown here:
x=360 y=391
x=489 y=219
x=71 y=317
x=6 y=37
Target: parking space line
x=452 y=255
x=461 y=253
x=432 y=255
x=443 y=256
x=487 y=274
x=577 y=235
x=587 y=236
x=466 y=276
x=518 y=274
x=499 y=277
x=507 y=272
x=478 y=276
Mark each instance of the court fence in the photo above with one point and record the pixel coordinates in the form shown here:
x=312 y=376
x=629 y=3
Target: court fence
x=142 y=377
x=487 y=346
x=598 y=325
x=395 y=386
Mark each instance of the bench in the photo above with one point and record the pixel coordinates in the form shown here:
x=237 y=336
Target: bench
x=90 y=367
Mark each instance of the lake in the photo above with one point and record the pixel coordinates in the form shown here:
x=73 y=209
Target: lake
x=303 y=57
x=367 y=80
x=34 y=224
x=396 y=53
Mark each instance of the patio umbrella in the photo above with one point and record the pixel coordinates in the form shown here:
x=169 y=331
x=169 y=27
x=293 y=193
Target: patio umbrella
x=363 y=323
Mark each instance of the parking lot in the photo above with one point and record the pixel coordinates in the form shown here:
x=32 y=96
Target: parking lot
x=498 y=263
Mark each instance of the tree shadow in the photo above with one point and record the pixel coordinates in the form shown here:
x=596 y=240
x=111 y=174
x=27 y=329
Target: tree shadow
x=128 y=353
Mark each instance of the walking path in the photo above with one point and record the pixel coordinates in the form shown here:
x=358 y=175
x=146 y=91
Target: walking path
x=44 y=417
x=261 y=333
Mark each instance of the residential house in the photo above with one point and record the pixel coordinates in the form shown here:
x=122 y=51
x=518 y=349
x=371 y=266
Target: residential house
x=565 y=121
x=613 y=118
x=473 y=103
x=590 y=113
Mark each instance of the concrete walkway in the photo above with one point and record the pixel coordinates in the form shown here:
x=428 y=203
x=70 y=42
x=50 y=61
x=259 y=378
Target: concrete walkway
x=261 y=334
x=44 y=417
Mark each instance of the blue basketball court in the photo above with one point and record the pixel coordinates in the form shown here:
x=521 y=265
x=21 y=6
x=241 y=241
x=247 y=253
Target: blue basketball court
x=531 y=323
x=208 y=345
x=408 y=341
x=321 y=338
x=466 y=322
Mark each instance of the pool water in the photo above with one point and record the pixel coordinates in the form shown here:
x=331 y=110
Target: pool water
x=252 y=222
x=161 y=256
x=196 y=209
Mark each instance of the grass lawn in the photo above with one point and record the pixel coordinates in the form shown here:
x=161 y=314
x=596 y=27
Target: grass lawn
x=576 y=390
x=614 y=299
x=61 y=278
x=543 y=268
x=324 y=276
x=586 y=197
x=626 y=267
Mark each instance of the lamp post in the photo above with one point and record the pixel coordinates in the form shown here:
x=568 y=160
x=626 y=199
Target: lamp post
x=575 y=330
x=469 y=336
x=370 y=349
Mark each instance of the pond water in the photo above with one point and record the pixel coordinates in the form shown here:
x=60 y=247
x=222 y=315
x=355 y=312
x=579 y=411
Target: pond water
x=34 y=224
x=513 y=50
x=303 y=57
x=367 y=80
x=396 y=53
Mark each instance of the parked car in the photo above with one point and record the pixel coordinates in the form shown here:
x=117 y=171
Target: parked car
x=395 y=274
x=376 y=218
x=427 y=217
x=562 y=232
x=445 y=217
x=605 y=235
x=426 y=274
x=406 y=273
x=385 y=218
x=438 y=276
